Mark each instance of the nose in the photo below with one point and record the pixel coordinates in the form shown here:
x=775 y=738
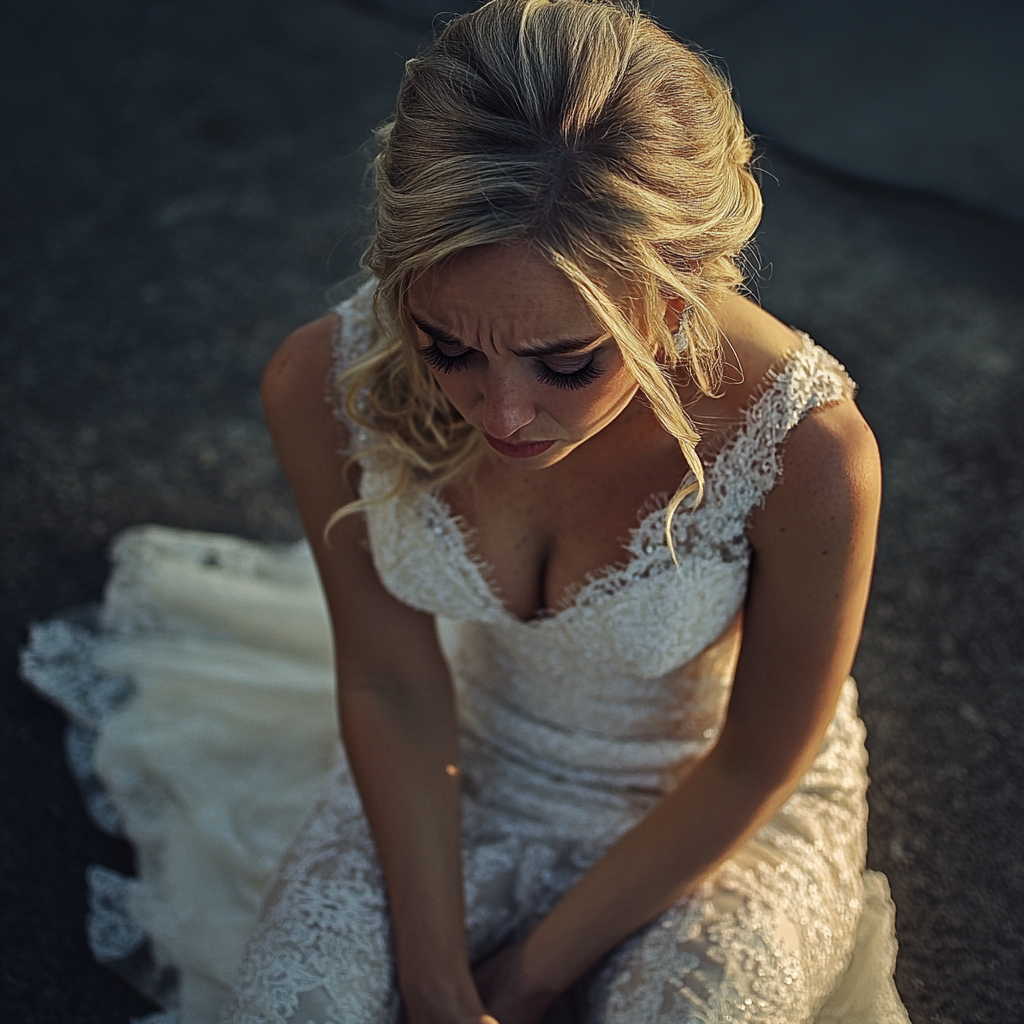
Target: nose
x=507 y=404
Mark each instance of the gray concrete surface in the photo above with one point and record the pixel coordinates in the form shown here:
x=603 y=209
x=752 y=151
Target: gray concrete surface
x=926 y=94
x=185 y=186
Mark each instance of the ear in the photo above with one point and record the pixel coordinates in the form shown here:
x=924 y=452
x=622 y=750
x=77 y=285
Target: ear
x=674 y=309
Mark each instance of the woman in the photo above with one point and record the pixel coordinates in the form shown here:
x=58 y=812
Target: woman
x=595 y=534
x=562 y=196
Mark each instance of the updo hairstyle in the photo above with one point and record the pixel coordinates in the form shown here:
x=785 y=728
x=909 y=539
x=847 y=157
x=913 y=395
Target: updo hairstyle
x=580 y=128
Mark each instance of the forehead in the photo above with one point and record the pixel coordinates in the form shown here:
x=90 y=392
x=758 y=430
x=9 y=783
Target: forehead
x=504 y=291
x=508 y=274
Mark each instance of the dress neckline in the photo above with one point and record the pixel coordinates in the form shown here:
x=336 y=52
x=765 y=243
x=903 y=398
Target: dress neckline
x=645 y=545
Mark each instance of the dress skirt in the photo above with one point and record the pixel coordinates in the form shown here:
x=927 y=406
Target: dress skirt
x=202 y=728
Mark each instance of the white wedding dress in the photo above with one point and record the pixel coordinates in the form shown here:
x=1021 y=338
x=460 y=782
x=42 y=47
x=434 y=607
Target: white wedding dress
x=204 y=731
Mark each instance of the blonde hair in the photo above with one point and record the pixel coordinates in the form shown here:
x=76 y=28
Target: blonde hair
x=580 y=128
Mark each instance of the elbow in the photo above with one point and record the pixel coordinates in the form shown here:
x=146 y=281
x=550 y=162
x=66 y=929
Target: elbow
x=358 y=679
x=354 y=680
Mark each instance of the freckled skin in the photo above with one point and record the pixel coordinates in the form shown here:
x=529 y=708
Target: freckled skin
x=502 y=300
x=611 y=454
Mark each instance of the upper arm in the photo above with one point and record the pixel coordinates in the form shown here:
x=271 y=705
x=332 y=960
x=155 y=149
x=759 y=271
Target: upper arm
x=814 y=547
x=378 y=640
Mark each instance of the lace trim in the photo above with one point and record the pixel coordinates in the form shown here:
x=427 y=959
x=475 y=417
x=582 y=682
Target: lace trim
x=119 y=941
x=58 y=662
x=457 y=536
x=113 y=932
x=749 y=463
x=140 y=549
x=80 y=751
x=354 y=336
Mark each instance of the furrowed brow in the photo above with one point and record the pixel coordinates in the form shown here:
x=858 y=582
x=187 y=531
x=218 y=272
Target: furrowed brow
x=436 y=332
x=559 y=348
x=555 y=348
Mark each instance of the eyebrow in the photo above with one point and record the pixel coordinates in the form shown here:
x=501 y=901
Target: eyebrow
x=554 y=348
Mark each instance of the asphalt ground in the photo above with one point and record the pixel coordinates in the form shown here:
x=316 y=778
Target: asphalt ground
x=182 y=183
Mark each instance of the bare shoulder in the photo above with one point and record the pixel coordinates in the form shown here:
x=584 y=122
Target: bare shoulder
x=831 y=472
x=754 y=343
x=755 y=340
x=308 y=436
x=831 y=481
x=300 y=368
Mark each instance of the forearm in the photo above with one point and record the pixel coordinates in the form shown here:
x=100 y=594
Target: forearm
x=658 y=862
x=399 y=741
x=394 y=692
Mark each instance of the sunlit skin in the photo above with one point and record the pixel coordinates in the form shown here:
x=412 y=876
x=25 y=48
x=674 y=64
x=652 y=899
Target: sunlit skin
x=542 y=519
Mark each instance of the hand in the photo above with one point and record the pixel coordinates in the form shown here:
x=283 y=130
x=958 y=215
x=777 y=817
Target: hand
x=476 y=1018
x=506 y=992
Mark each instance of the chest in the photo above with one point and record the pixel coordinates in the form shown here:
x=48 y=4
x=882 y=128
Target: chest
x=541 y=534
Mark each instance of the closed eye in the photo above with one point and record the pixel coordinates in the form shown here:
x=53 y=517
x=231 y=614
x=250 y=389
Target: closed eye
x=447 y=354
x=570 y=380
x=443 y=362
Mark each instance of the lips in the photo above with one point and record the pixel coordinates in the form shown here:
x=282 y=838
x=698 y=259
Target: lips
x=518 y=449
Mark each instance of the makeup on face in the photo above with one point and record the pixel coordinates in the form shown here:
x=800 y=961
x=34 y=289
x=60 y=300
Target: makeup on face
x=515 y=349
x=569 y=364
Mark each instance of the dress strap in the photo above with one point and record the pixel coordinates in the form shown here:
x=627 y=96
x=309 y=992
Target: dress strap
x=356 y=333
x=357 y=329
x=749 y=466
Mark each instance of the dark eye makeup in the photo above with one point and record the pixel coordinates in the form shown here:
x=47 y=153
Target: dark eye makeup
x=442 y=362
x=574 y=380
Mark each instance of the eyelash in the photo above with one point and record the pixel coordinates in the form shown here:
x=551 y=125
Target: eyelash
x=581 y=378
x=441 y=362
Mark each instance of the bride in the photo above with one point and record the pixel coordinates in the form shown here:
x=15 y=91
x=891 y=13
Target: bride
x=595 y=534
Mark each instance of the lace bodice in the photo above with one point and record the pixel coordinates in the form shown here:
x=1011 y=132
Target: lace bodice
x=636 y=666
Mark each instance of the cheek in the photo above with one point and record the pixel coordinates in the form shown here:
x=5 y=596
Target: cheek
x=458 y=388
x=591 y=407
x=611 y=392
